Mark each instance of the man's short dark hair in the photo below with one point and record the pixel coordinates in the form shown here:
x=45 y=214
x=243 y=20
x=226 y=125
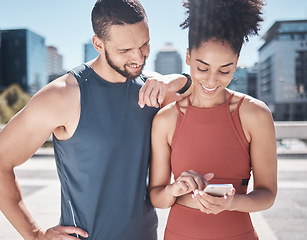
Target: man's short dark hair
x=115 y=12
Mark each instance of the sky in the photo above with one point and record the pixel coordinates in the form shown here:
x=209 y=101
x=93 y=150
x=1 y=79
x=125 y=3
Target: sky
x=66 y=24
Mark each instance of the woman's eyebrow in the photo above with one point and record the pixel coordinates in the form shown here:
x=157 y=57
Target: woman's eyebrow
x=225 y=65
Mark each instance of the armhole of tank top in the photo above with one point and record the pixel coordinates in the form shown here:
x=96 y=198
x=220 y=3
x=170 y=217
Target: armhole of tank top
x=236 y=111
x=238 y=125
x=179 y=123
x=78 y=78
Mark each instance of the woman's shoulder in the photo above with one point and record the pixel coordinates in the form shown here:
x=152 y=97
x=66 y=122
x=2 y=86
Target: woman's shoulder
x=252 y=110
x=168 y=111
x=249 y=103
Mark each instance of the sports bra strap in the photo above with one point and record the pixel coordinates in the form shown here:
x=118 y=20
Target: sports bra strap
x=177 y=106
x=229 y=98
x=240 y=102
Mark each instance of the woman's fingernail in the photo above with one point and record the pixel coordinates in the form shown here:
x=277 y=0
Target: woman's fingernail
x=201 y=193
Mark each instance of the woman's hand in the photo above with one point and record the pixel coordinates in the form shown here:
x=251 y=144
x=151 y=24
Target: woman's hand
x=210 y=204
x=188 y=182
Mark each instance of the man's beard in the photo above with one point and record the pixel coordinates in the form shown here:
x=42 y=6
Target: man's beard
x=125 y=73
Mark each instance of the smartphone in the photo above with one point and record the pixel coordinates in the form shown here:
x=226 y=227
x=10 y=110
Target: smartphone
x=218 y=190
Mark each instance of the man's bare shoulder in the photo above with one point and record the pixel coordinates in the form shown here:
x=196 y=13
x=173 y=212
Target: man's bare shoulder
x=62 y=90
x=58 y=100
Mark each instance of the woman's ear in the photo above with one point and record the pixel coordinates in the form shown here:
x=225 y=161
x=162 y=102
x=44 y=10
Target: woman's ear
x=98 y=44
x=188 y=57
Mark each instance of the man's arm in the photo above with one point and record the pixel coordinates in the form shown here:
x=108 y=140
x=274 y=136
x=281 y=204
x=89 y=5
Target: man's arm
x=162 y=90
x=19 y=140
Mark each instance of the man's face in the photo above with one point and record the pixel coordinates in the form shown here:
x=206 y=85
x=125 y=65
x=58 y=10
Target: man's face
x=127 y=48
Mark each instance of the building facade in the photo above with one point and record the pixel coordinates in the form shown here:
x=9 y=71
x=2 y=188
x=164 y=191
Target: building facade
x=245 y=81
x=168 y=60
x=54 y=63
x=89 y=52
x=282 y=76
x=23 y=59
x=239 y=81
x=252 y=73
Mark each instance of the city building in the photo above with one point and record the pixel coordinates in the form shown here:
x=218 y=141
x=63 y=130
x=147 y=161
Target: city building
x=252 y=73
x=282 y=76
x=54 y=63
x=89 y=52
x=239 y=81
x=168 y=60
x=23 y=59
x=245 y=80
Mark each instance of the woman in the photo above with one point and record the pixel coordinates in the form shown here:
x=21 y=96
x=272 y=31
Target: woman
x=215 y=134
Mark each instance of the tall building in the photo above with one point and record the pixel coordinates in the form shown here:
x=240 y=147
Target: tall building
x=89 y=52
x=54 y=63
x=23 y=59
x=282 y=77
x=239 y=82
x=252 y=73
x=245 y=80
x=168 y=60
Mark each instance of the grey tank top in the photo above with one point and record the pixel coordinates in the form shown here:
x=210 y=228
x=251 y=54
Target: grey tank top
x=103 y=167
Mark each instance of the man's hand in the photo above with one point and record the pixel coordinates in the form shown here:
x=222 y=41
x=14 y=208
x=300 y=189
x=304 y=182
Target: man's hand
x=161 y=90
x=60 y=232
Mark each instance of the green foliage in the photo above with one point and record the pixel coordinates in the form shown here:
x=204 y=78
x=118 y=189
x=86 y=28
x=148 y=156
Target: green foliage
x=12 y=100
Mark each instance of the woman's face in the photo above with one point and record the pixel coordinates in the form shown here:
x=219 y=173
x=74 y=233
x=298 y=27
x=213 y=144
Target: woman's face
x=212 y=66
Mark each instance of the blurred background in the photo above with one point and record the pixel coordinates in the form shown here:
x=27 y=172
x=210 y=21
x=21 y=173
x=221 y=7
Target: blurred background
x=41 y=40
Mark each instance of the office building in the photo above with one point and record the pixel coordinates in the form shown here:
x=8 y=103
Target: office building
x=54 y=63
x=239 y=81
x=23 y=59
x=89 y=52
x=252 y=73
x=245 y=81
x=168 y=60
x=282 y=77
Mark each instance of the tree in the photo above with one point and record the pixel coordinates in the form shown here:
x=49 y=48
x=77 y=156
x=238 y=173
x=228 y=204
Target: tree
x=12 y=100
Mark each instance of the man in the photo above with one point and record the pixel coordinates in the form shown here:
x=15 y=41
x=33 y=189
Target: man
x=101 y=135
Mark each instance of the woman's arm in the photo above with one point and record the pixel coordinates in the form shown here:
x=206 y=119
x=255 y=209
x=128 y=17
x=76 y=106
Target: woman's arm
x=160 y=167
x=259 y=122
x=162 y=192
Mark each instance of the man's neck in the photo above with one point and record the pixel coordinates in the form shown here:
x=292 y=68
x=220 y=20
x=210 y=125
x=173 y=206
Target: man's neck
x=103 y=69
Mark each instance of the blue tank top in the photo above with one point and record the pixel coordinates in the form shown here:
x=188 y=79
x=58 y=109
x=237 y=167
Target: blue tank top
x=103 y=167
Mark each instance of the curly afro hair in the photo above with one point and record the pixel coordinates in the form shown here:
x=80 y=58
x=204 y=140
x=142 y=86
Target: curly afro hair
x=229 y=21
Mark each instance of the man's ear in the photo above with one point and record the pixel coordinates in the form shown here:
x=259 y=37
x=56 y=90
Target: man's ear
x=98 y=44
x=188 y=57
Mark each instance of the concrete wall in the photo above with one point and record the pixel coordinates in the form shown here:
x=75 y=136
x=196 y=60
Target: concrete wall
x=291 y=130
x=283 y=130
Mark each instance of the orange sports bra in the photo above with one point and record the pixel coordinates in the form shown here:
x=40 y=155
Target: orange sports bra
x=212 y=140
